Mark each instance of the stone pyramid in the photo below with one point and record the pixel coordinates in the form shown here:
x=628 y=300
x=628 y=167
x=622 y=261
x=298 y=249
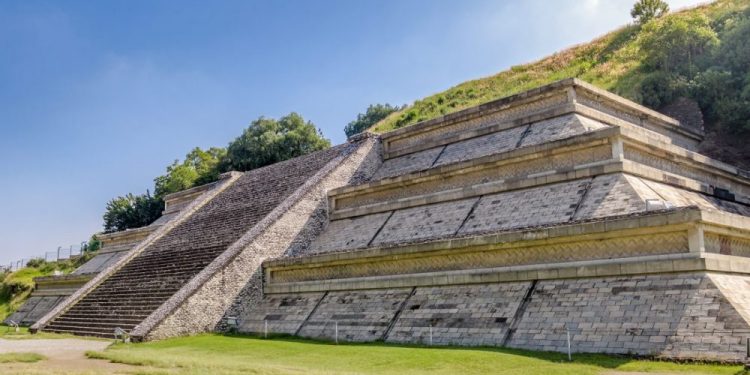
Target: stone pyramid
x=562 y=210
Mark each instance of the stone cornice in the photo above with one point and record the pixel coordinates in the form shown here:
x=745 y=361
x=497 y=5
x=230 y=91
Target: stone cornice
x=688 y=262
x=682 y=230
x=606 y=227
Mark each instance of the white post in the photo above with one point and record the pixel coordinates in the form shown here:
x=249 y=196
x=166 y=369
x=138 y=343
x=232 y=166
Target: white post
x=265 y=329
x=570 y=357
x=337 y=331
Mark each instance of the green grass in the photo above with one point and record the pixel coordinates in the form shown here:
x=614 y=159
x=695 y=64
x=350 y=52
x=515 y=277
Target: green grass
x=217 y=354
x=16 y=287
x=20 y=358
x=611 y=62
x=23 y=333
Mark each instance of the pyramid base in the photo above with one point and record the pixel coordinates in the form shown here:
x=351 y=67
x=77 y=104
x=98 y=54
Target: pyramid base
x=691 y=315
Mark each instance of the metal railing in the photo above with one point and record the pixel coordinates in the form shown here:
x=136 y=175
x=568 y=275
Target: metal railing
x=62 y=253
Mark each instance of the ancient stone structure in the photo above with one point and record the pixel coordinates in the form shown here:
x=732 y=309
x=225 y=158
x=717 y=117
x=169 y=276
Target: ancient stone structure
x=50 y=291
x=184 y=276
x=564 y=210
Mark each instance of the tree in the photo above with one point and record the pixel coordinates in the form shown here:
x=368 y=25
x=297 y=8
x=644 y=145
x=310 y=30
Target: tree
x=675 y=44
x=267 y=141
x=132 y=211
x=200 y=167
x=373 y=114
x=646 y=10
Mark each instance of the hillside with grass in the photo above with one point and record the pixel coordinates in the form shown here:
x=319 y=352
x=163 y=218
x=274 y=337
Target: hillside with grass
x=15 y=287
x=701 y=53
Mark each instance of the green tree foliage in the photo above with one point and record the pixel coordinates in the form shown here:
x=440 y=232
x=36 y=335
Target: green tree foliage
x=93 y=245
x=267 y=141
x=677 y=44
x=646 y=10
x=373 y=114
x=132 y=211
x=687 y=55
x=199 y=167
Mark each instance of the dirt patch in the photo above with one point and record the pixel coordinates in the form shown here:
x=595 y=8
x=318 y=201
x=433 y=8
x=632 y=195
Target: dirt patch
x=63 y=356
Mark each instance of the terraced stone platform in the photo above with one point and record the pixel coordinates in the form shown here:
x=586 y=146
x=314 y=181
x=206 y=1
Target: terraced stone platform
x=562 y=210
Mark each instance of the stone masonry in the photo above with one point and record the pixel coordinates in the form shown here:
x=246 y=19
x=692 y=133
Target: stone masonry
x=562 y=211
x=51 y=291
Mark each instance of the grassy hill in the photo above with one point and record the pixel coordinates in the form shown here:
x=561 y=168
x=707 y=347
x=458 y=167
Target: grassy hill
x=15 y=287
x=697 y=53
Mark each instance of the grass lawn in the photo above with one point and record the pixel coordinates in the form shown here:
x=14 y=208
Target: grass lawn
x=20 y=358
x=7 y=332
x=217 y=354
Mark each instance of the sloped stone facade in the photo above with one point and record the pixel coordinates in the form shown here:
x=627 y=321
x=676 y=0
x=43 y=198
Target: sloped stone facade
x=561 y=211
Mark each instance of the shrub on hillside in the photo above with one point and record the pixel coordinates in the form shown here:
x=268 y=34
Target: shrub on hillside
x=677 y=44
x=36 y=262
x=373 y=114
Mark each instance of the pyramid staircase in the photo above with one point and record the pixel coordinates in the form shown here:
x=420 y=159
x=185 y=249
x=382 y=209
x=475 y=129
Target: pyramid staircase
x=139 y=286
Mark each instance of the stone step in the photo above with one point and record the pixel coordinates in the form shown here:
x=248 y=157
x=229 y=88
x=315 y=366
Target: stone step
x=95 y=324
x=96 y=320
x=132 y=296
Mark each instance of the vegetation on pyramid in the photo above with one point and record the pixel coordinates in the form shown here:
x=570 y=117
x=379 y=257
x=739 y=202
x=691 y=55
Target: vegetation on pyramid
x=701 y=53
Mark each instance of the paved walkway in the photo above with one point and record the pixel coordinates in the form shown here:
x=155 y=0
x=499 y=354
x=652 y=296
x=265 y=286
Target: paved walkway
x=64 y=356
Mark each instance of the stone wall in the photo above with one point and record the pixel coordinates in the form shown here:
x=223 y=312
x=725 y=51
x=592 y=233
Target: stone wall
x=684 y=315
x=696 y=315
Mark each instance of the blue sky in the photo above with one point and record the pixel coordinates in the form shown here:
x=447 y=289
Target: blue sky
x=97 y=97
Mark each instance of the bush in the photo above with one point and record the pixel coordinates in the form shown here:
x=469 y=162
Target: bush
x=36 y=263
x=267 y=141
x=660 y=88
x=132 y=211
x=373 y=114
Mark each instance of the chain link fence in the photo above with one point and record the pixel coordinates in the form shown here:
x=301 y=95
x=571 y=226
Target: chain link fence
x=62 y=253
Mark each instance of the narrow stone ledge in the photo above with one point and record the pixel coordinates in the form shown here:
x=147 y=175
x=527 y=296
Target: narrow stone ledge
x=585 y=269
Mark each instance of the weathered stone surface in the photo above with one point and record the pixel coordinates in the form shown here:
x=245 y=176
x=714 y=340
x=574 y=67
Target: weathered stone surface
x=99 y=262
x=459 y=315
x=558 y=128
x=615 y=194
x=280 y=313
x=684 y=315
x=347 y=234
x=431 y=221
x=555 y=203
x=417 y=161
x=356 y=316
x=473 y=148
